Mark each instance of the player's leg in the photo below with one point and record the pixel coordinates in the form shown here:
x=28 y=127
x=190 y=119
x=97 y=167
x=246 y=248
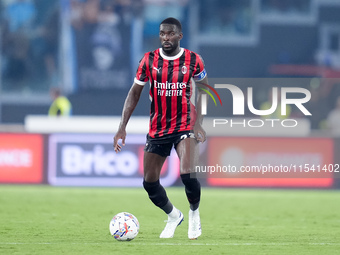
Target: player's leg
x=187 y=150
x=152 y=167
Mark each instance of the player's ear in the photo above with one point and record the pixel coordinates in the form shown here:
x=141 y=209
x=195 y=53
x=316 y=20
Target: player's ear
x=180 y=36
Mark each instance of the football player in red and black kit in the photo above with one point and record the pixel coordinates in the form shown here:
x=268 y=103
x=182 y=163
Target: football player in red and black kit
x=174 y=74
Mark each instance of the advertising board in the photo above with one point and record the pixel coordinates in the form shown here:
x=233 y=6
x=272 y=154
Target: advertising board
x=89 y=160
x=21 y=158
x=270 y=162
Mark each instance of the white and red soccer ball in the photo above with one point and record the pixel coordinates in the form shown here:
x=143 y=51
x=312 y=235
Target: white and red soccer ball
x=124 y=226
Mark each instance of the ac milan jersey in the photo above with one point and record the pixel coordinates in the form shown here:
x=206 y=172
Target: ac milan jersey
x=171 y=89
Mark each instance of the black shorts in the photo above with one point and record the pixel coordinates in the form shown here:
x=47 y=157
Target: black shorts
x=162 y=146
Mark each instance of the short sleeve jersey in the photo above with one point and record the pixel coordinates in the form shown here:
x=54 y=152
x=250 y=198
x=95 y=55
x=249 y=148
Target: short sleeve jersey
x=172 y=90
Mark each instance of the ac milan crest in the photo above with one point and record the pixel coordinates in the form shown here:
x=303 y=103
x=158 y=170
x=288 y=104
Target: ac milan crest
x=184 y=69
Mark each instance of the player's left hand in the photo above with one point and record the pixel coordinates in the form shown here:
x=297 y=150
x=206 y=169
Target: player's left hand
x=199 y=133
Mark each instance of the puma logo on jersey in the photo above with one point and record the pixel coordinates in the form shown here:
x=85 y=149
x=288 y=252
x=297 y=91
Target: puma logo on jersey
x=157 y=69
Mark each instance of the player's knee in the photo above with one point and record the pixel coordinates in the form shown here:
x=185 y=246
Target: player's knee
x=192 y=190
x=151 y=187
x=190 y=182
x=151 y=177
x=156 y=193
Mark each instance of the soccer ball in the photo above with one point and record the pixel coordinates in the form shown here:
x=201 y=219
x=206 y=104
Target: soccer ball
x=124 y=226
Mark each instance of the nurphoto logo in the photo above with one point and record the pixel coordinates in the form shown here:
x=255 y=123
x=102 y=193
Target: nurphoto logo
x=239 y=104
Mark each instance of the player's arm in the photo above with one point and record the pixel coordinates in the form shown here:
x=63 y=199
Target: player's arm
x=199 y=132
x=129 y=106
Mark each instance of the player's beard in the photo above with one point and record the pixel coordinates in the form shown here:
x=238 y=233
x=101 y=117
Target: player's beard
x=170 y=50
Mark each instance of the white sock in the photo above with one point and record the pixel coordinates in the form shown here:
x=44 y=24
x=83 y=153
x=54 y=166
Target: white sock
x=174 y=213
x=194 y=210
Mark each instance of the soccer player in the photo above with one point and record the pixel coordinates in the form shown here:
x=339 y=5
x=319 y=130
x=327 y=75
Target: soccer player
x=174 y=73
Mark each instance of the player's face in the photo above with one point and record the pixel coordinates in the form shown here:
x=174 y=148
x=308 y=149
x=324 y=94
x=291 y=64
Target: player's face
x=170 y=37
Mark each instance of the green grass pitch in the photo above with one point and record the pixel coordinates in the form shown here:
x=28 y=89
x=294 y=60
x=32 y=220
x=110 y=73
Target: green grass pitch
x=57 y=220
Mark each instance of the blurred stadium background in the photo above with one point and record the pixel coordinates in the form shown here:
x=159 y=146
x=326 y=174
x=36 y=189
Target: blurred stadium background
x=90 y=50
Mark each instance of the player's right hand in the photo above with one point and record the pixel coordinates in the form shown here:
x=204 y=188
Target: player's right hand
x=199 y=133
x=121 y=134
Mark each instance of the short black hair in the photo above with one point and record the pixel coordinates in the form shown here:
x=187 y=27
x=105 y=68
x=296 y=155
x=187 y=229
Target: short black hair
x=173 y=21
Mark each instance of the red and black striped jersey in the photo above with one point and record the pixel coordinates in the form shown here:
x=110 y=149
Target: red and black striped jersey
x=172 y=90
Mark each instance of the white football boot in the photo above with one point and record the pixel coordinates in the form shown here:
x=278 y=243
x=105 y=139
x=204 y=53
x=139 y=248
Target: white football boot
x=175 y=218
x=194 y=230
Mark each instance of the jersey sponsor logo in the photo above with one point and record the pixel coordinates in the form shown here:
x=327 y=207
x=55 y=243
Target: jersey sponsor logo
x=170 y=85
x=170 y=88
x=170 y=93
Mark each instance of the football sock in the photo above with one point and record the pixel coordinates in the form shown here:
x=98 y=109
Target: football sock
x=192 y=190
x=168 y=208
x=174 y=213
x=158 y=195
